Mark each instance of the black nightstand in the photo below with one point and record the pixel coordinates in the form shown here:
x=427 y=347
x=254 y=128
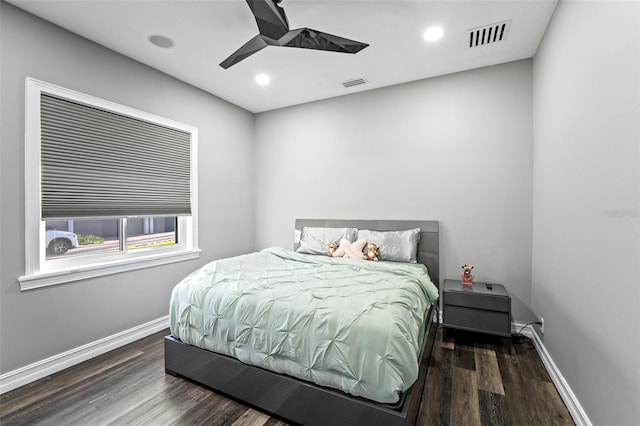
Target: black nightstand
x=476 y=308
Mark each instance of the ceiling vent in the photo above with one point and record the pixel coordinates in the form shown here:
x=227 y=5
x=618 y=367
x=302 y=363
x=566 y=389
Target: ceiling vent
x=354 y=82
x=489 y=34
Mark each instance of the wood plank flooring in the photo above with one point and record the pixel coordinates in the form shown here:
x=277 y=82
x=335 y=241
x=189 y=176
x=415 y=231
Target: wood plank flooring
x=475 y=379
x=472 y=380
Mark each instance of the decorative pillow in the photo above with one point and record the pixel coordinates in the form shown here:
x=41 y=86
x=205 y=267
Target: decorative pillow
x=394 y=246
x=315 y=240
x=347 y=249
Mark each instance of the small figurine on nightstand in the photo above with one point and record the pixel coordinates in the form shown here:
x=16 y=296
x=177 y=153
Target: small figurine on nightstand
x=466 y=275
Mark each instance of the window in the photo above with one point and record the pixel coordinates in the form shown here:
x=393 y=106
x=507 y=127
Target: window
x=72 y=238
x=108 y=188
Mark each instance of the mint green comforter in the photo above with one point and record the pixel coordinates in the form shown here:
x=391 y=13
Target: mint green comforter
x=348 y=324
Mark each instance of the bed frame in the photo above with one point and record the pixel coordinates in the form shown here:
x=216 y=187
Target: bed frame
x=299 y=401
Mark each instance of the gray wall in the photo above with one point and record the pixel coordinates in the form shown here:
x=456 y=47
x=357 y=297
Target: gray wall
x=586 y=235
x=456 y=148
x=40 y=323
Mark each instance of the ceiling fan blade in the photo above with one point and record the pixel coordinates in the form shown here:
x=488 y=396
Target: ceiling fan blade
x=349 y=46
x=308 y=38
x=271 y=19
x=249 y=48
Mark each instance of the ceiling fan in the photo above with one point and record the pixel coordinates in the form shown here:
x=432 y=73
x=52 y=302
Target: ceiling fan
x=274 y=31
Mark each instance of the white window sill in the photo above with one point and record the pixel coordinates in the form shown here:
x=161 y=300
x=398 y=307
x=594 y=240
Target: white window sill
x=45 y=279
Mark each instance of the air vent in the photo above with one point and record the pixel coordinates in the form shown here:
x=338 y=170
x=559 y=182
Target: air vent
x=354 y=82
x=489 y=34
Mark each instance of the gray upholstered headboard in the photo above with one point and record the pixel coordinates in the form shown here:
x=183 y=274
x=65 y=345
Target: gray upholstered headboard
x=428 y=247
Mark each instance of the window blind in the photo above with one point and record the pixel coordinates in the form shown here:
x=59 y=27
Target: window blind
x=98 y=163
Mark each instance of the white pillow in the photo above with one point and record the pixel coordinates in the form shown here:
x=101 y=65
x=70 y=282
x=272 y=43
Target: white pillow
x=315 y=240
x=394 y=246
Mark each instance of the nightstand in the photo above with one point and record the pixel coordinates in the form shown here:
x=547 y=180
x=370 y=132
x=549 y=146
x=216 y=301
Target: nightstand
x=476 y=308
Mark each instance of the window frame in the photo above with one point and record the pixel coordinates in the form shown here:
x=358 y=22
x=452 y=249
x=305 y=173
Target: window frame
x=40 y=272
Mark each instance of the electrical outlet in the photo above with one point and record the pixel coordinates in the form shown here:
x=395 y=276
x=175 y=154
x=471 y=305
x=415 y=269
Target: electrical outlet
x=542 y=325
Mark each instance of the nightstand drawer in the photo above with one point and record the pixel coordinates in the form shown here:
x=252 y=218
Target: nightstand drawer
x=477 y=301
x=477 y=320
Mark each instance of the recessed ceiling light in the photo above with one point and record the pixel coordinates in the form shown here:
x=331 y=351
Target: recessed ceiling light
x=161 y=41
x=263 y=79
x=433 y=33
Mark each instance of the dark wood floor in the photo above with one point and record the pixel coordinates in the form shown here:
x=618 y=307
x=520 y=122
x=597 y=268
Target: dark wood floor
x=472 y=380
x=475 y=379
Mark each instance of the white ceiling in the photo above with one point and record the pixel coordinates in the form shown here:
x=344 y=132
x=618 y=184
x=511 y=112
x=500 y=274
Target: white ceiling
x=205 y=32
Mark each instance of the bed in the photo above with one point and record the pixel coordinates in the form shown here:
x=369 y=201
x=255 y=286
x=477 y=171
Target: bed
x=310 y=338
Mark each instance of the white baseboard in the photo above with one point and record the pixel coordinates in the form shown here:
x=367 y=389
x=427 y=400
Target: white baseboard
x=45 y=367
x=571 y=401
